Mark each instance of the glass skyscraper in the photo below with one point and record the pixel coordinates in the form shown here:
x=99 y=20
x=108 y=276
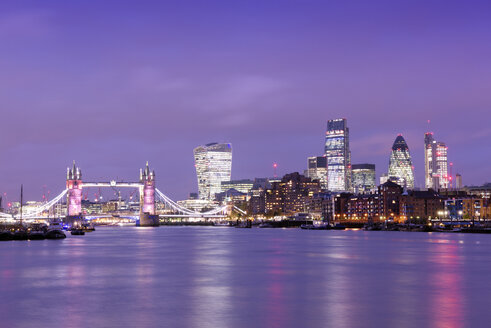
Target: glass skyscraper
x=213 y=164
x=317 y=170
x=400 y=165
x=436 y=163
x=363 y=177
x=338 y=155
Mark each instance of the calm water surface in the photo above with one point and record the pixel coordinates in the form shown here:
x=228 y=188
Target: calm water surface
x=227 y=277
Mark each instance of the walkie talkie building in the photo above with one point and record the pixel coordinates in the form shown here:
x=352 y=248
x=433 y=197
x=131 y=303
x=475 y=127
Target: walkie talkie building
x=213 y=164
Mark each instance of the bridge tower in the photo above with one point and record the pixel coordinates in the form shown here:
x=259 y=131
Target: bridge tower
x=74 y=194
x=147 y=198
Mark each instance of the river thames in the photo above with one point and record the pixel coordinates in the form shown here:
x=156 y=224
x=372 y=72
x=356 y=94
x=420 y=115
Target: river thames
x=227 y=277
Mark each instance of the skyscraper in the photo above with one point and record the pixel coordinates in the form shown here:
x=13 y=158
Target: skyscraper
x=400 y=164
x=317 y=170
x=458 y=181
x=213 y=164
x=338 y=155
x=436 y=163
x=363 y=177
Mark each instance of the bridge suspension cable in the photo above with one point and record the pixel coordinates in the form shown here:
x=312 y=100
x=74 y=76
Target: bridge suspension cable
x=174 y=205
x=43 y=207
x=235 y=208
x=186 y=211
x=6 y=216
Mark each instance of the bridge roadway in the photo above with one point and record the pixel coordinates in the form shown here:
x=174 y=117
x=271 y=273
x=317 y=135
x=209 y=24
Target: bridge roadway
x=112 y=184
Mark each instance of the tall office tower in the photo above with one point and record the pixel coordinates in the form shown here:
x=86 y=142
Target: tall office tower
x=317 y=170
x=213 y=164
x=383 y=178
x=458 y=181
x=436 y=163
x=363 y=177
x=338 y=155
x=400 y=165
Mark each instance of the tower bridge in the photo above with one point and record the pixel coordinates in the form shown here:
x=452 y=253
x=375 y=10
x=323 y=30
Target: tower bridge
x=149 y=196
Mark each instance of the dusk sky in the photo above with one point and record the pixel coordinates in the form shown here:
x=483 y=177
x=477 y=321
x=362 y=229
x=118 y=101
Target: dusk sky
x=112 y=84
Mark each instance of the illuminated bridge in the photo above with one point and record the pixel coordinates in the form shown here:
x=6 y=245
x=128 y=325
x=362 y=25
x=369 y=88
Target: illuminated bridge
x=149 y=197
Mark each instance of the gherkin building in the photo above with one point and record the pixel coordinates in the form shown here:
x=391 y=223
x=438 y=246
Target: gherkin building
x=400 y=165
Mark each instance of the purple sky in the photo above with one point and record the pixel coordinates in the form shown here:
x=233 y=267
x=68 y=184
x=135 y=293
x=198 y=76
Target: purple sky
x=112 y=84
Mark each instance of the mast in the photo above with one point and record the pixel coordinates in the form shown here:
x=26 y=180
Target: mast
x=21 y=201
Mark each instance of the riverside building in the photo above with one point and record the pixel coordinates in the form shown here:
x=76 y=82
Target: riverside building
x=363 y=177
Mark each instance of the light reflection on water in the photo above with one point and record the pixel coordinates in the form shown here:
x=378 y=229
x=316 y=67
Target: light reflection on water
x=225 y=277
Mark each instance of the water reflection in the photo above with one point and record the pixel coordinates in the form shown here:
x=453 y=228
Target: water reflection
x=275 y=308
x=447 y=300
x=211 y=282
x=206 y=277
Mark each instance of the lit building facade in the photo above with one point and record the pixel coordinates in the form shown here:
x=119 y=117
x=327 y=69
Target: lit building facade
x=338 y=155
x=317 y=170
x=383 y=178
x=458 y=181
x=291 y=195
x=363 y=177
x=244 y=185
x=213 y=164
x=436 y=164
x=400 y=165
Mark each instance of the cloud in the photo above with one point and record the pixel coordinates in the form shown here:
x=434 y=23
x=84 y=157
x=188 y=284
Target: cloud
x=241 y=92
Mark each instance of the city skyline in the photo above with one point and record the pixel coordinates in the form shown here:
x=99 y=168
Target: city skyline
x=380 y=171
x=148 y=86
x=259 y=163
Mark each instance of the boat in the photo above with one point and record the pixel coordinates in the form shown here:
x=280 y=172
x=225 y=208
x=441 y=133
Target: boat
x=20 y=234
x=372 y=227
x=55 y=231
x=55 y=234
x=36 y=233
x=316 y=226
x=246 y=224
x=476 y=230
x=221 y=224
x=87 y=227
x=339 y=226
x=77 y=232
x=6 y=235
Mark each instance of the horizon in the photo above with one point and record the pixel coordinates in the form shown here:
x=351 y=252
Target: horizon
x=112 y=85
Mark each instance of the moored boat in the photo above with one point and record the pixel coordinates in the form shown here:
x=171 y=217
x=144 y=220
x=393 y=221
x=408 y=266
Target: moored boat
x=20 y=234
x=77 y=232
x=316 y=226
x=6 y=235
x=55 y=231
x=35 y=234
x=55 y=234
x=87 y=227
x=339 y=226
